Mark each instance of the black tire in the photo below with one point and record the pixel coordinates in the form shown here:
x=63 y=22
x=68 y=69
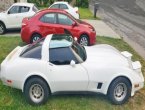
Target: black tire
x=2 y=28
x=36 y=91
x=119 y=91
x=35 y=37
x=84 y=40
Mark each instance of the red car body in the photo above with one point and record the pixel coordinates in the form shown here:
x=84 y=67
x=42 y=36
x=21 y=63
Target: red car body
x=51 y=21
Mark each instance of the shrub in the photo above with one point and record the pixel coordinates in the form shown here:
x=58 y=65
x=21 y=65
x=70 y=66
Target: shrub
x=82 y=3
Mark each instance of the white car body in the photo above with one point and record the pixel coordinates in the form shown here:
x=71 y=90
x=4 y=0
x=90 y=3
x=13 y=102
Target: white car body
x=12 y=18
x=103 y=64
x=65 y=6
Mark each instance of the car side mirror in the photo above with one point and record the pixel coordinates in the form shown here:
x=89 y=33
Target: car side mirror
x=74 y=24
x=72 y=63
x=8 y=12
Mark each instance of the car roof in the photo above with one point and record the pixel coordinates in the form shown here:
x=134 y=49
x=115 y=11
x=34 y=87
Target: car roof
x=60 y=2
x=24 y=4
x=53 y=10
x=59 y=40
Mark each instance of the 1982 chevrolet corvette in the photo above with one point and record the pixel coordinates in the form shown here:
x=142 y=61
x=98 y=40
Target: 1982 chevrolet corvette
x=58 y=63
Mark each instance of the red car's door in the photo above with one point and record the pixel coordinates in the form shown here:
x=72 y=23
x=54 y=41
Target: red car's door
x=48 y=24
x=66 y=24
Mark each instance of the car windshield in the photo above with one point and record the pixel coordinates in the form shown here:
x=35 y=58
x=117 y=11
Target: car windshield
x=78 y=20
x=79 y=51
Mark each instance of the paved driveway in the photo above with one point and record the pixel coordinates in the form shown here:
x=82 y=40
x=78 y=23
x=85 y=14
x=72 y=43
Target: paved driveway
x=127 y=18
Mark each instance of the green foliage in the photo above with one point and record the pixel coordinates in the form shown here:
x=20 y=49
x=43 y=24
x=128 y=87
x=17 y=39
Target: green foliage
x=82 y=3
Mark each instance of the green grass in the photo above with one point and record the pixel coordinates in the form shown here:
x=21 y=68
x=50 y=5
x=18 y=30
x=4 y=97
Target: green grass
x=85 y=13
x=13 y=99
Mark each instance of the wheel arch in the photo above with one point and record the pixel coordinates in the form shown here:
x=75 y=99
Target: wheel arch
x=36 y=76
x=84 y=33
x=117 y=78
x=3 y=23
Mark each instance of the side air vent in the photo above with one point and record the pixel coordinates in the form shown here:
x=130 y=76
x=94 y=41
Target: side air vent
x=99 y=86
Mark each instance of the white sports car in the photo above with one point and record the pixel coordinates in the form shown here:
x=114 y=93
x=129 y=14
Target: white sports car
x=74 y=11
x=12 y=18
x=59 y=64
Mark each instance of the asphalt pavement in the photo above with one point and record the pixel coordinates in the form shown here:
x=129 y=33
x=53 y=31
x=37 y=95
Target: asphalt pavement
x=126 y=18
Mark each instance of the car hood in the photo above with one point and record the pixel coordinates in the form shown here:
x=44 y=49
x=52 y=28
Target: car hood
x=84 y=23
x=105 y=55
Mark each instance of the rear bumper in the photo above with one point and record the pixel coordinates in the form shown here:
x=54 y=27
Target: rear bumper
x=25 y=35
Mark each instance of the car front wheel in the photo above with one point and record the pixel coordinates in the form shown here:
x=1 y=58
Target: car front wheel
x=36 y=91
x=119 y=91
x=84 y=40
x=2 y=28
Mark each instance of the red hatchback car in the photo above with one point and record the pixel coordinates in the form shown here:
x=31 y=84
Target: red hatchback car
x=55 y=21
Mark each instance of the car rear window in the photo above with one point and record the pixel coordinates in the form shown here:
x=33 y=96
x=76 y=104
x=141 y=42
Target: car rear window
x=33 y=50
x=35 y=9
x=55 y=6
x=63 y=6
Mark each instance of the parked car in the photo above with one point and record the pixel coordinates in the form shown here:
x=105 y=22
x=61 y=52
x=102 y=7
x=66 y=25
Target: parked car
x=59 y=64
x=55 y=21
x=12 y=18
x=65 y=6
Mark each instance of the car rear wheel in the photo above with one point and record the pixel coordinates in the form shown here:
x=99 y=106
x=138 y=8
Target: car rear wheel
x=119 y=91
x=2 y=28
x=36 y=91
x=35 y=37
x=84 y=40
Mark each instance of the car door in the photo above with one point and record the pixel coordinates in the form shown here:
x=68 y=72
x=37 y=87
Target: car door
x=66 y=23
x=48 y=24
x=12 y=17
x=63 y=76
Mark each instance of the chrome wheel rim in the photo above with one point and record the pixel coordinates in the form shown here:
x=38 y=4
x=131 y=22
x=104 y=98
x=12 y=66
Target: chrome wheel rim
x=35 y=38
x=36 y=93
x=84 y=41
x=120 y=91
x=1 y=28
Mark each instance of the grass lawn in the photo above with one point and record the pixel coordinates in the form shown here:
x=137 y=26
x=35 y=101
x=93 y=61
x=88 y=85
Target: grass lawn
x=13 y=99
x=85 y=13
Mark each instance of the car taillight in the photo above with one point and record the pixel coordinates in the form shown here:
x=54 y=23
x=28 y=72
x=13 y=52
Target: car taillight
x=24 y=24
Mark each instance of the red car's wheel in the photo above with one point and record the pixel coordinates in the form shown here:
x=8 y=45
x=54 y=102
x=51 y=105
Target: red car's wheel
x=35 y=37
x=84 y=40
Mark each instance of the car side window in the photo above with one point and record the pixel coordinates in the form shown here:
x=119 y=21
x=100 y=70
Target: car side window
x=55 y=6
x=34 y=52
x=24 y=9
x=63 y=6
x=61 y=56
x=63 y=19
x=14 y=10
x=48 y=18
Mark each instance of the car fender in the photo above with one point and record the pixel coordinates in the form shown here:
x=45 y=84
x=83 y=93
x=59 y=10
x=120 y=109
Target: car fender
x=33 y=74
x=131 y=75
